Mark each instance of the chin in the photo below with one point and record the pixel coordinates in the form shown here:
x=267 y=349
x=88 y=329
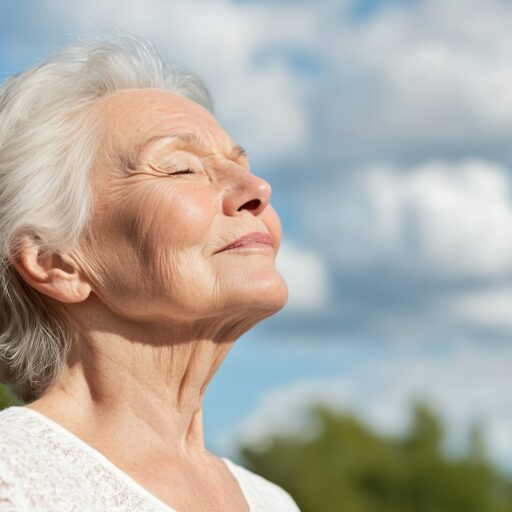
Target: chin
x=269 y=294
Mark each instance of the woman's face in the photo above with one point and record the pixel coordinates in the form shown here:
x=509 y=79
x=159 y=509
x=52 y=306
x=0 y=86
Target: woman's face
x=170 y=189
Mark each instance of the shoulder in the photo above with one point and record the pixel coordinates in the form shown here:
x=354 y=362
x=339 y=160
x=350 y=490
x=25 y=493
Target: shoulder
x=15 y=434
x=44 y=467
x=19 y=433
x=32 y=461
x=265 y=494
x=15 y=463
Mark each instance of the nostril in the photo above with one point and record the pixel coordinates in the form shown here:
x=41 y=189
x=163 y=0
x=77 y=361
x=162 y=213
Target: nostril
x=253 y=204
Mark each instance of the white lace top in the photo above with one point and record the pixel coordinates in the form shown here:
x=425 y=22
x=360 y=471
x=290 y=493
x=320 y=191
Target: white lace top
x=46 y=468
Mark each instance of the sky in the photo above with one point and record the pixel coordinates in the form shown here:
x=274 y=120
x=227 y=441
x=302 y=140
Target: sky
x=384 y=130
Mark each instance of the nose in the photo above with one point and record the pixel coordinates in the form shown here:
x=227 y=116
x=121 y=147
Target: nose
x=249 y=193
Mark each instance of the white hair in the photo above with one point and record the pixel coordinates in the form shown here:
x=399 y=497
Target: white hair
x=47 y=145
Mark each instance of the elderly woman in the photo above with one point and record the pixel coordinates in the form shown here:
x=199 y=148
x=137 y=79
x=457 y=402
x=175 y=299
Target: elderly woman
x=137 y=247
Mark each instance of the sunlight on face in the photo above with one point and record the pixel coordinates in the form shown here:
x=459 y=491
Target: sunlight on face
x=171 y=189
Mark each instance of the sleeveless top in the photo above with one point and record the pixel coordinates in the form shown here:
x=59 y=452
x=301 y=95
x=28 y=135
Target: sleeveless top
x=46 y=468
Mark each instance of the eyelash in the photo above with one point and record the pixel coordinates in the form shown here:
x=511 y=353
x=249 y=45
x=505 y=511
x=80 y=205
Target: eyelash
x=183 y=171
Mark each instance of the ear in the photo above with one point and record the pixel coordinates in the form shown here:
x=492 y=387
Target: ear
x=55 y=275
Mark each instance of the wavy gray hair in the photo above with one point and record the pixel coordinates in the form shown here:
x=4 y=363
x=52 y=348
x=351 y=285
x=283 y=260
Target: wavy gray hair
x=47 y=145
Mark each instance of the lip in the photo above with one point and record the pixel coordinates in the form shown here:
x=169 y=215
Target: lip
x=254 y=239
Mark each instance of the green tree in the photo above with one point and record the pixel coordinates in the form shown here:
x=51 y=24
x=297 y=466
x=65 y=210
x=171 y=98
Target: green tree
x=348 y=467
x=7 y=398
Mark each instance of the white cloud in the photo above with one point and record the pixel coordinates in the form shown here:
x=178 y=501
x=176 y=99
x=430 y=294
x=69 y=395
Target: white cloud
x=470 y=384
x=425 y=77
x=306 y=276
x=261 y=105
x=490 y=307
x=439 y=218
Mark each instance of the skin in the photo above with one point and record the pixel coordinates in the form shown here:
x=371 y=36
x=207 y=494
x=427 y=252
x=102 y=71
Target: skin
x=157 y=309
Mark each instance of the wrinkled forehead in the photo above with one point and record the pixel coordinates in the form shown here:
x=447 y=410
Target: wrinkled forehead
x=131 y=118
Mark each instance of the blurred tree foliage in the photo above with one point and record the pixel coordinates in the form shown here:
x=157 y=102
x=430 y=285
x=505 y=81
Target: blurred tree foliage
x=349 y=468
x=7 y=398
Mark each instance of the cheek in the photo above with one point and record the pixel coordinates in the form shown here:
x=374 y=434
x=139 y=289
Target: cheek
x=180 y=218
x=111 y=262
x=163 y=221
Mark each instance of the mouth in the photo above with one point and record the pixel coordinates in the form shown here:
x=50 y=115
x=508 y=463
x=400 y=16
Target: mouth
x=251 y=240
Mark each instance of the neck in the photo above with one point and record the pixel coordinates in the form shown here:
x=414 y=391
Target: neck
x=139 y=385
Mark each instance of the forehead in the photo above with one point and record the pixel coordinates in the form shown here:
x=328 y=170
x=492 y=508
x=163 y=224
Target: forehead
x=132 y=117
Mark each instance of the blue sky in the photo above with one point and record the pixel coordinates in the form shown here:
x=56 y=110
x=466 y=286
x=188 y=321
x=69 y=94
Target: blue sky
x=384 y=128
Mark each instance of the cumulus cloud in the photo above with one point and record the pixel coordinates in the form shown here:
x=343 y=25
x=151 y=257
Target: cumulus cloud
x=487 y=308
x=417 y=252
x=409 y=81
x=306 y=274
x=424 y=78
x=260 y=102
x=438 y=218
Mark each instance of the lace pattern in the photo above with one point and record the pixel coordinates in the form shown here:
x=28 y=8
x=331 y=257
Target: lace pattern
x=44 y=467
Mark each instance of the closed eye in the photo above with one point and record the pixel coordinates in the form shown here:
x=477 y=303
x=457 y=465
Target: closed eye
x=183 y=171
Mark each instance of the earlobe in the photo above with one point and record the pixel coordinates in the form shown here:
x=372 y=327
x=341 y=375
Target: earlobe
x=55 y=275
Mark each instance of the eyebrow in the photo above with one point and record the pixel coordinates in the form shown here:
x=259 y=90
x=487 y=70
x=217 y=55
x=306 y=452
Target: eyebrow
x=234 y=153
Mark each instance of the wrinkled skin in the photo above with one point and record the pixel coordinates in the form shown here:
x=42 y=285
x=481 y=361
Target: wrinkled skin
x=158 y=309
